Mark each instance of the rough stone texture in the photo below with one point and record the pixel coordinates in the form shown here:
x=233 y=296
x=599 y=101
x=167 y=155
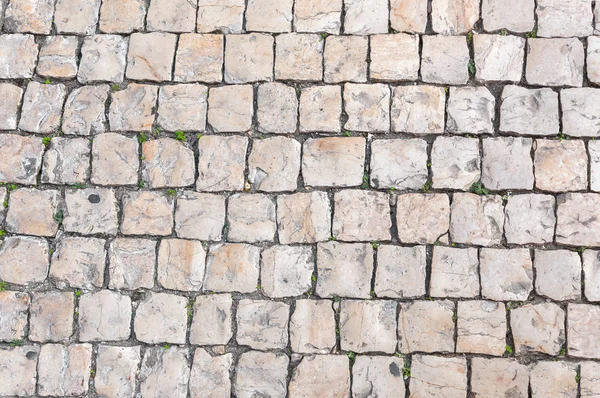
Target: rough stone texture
x=418 y=109
x=147 y=213
x=408 y=15
x=161 y=317
x=42 y=107
x=132 y=108
x=79 y=262
x=593 y=57
x=481 y=327
x=103 y=59
x=454 y=272
x=212 y=320
x=232 y=267
x=251 y=218
x=64 y=370
x=455 y=163
x=367 y=106
x=32 y=212
x=303 y=217
x=182 y=107
x=128 y=263
x=269 y=15
x=476 y=220
x=538 y=328
x=507 y=164
x=426 y=326
x=104 y=316
x=200 y=216
x=51 y=316
x=368 y=326
x=221 y=163
x=320 y=108
x=454 y=17
x=286 y=271
x=210 y=375
x=594 y=151
x=590 y=382
x=199 y=58
x=444 y=60
x=361 y=216
x=558 y=274
x=274 y=164
x=422 y=218
x=399 y=163
x=18 y=54
x=18 y=370
x=312 y=327
x=498 y=58
x=230 y=108
x=58 y=57
x=76 y=16
x=580 y=116
x=122 y=16
x=11 y=96
x=226 y=16
x=249 y=58
x=317 y=16
x=470 y=110
x=576 y=220
x=566 y=57
x=115 y=160
x=299 y=57
x=150 y=55
x=498 y=14
x=13 y=317
x=365 y=17
x=262 y=324
x=344 y=269
x=378 y=376
x=432 y=376
x=554 y=379
x=506 y=274
x=564 y=19
x=277 y=108
x=24 y=260
x=85 y=111
x=400 y=271
x=32 y=16
x=345 y=59
x=261 y=373
x=164 y=372
x=171 y=16
x=499 y=377
x=181 y=264
x=591 y=271
x=167 y=163
x=583 y=330
x=90 y=211
x=394 y=57
x=529 y=219
x=333 y=161
x=321 y=375
x=529 y=111
x=116 y=370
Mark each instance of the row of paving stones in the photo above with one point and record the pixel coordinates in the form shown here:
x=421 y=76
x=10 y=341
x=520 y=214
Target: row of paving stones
x=554 y=17
x=246 y=58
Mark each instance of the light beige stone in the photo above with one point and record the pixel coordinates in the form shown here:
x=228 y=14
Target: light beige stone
x=368 y=326
x=498 y=58
x=24 y=260
x=122 y=16
x=368 y=107
x=361 y=216
x=576 y=220
x=320 y=108
x=299 y=57
x=554 y=379
x=251 y=218
x=418 y=109
x=498 y=14
x=221 y=163
x=455 y=163
x=115 y=160
x=133 y=108
x=454 y=272
x=103 y=59
x=558 y=274
x=64 y=370
x=422 y=218
x=85 y=111
x=318 y=16
x=583 y=331
x=529 y=111
x=444 y=60
x=303 y=217
x=378 y=376
x=58 y=57
x=230 y=108
x=14 y=314
x=593 y=57
x=432 y=376
x=564 y=19
x=262 y=325
x=481 y=327
x=591 y=271
x=200 y=216
x=161 y=317
x=312 y=327
x=560 y=165
x=183 y=107
x=232 y=267
x=471 y=110
x=269 y=15
x=51 y=316
x=590 y=380
x=261 y=373
x=18 y=55
x=104 y=316
x=76 y=16
x=210 y=375
x=400 y=271
x=79 y=262
x=11 y=96
x=131 y=263
x=529 y=219
x=33 y=212
x=321 y=375
x=507 y=164
x=506 y=274
x=33 y=16
x=538 y=328
x=580 y=116
x=91 y=211
x=333 y=161
x=42 y=107
x=398 y=163
x=199 y=58
x=394 y=57
x=18 y=370
x=476 y=220
x=274 y=164
x=286 y=271
x=171 y=16
x=150 y=55
x=408 y=15
x=499 y=377
x=226 y=16
x=344 y=269
x=426 y=326
x=365 y=17
x=165 y=372
x=146 y=212
x=565 y=56
x=116 y=371
x=211 y=323
x=167 y=163
x=181 y=264
x=594 y=153
x=345 y=59
x=249 y=57
x=277 y=108
x=451 y=17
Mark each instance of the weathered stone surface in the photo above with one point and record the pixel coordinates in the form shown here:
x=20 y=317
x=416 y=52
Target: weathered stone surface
x=566 y=57
x=132 y=108
x=577 y=222
x=146 y=212
x=183 y=107
x=230 y=108
x=432 y=376
x=199 y=58
x=286 y=271
x=590 y=379
x=317 y=16
x=368 y=107
x=261 y=373
x=42 y=107
x=400 y=271
x=365 y=17
x=251 y=218
x=232 y=267
x=167 y=163
x=554 y=379
x=368 y=326
x=418 y=109
x=399 y=163
x=593 y=56
x=103 y=59
x=79 y=262
x=454 y=272
x=594 y=151
x=221 y=163
x=11 y=96
x=116 y=371
x=345 y=59
x=394 y=57
x=580 y=116
x=426 y=326
x=32 y=16
x=76 y=16
x=506 y=274
x=320 y=108
x=32 y=212
x=321 y=375
x=171 y=16
x=422 y=218
x=378 y=376
x=277 y=108
x=161 y=317
x=471 y=110
x=129 y=261
x=454 y=17
x=499 y=377
x=115 y=160
x=210 y=375
x=165 y=372
x=303 y=217
x=312 y=327
x=181 y=264
x=444 y=60
x=91 y=211
x=558 y=274
x=344 y=269
x=51 y=316
x=299 y=57
x=564 y=19
x=226 y=16
x=333 y=161
x=274 y=164
x=13 y=317
x=361 y=216
x=529 y=111
x=476 y=220
x=58 y=57
x=498 y=14
x=64 y=370
x=498 y=58
x=539 y=328
x=269 y=15
x=24 y=260
x=262 y=325
x=18 y=55
x=507 y=164
x=583 y=331
x=408 y=15
x=249 y=58
x=529 y=219
x=455 y=162
x=481 y=327
x=212 y=320
x=150 y=55
x=200 y=216
x=18 y=370
x=66 y=161
x=591 y=271
x=85 y=111
x=122 y=16
x=104 y=316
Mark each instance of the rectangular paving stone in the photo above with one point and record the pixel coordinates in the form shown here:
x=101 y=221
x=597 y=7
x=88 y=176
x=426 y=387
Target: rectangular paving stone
x=200 y=216
x=132 y=109
x=481 y=327
x=426 y=326
x=564 y=19
x=418 y=109
x=116 y=370
x=506 y=274
x=226 y=16
x=277 y=108
x=507 y=164
x=104 y=316
x=18 y=370
x=33 y=212
x=378 y=374
x=470 y=110
x=76 y=16
x=560 y=165
x=167 y=163
x=361 y=216
x=580 y=117
x=450 y=17
x=554 y=378
x=231 y=108
x=345 y=59
x=58 y=57
x=183 y=107
x=269 y=15
x=499 y=14
x=394 y=57
x=320 y=375
x=14 y=310
x=529 y=111
x=558 y=274
x=368 y=326
x=593 y=57
x=286 y=271
x=221 y=163
x=115 y=160
x=181 y=264
x=161 y=317
x=212 y=320
x=157 y=370
x=566 y=57
x=103 y=58
x=368 y=107
x=538 y=328
x=64 y=370
x=320 y=108
x=444 y=60
x=476 y=220
x=455 y=163
x=261 y=373
x=262 y=324
x=85 y=111
x=210 y=375
x=249 y=58
x=79 y=262
x=31 y=16
x=454 y=272
x=576 y=222
x=529 y=219
x=131 y=263
x=199 y=58
x=422 y=218
x=333 y=161
x=298 y=57
x=344 y=269
x=365 y=17
x=122 y=16
x=583 y=330
x=11 y=95
x=251 y=218
x=433 y=375
x=232 y=267
x=91 y=211
x=313 y=327
x=318 y=16
x=24 y=260
x=42 y=107
x=171 y=16
x=591 y=271
x=408 y=15
x=150 y=55
x=147 y=213
x=400 y=271
x=499 y=377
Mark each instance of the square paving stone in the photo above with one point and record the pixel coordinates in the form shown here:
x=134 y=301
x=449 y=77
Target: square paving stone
x=103 y=58
x=156 y=376
x=262 y=324
x=365 y=17
x=506 y=274
x=380 y=375
x=368 y=107
x=418 y=109
x=476 y=220
x=368 y=326
x=560 y=165
x=76 y=16
x=66 y=161
x=583 y=332
x=320 y=108
x=591 y=271
x=132 y=109
x=115 y=160
x=116 y=370
x=451 y=17
x=593 y=57
x=566 y=57
x=199 y=58
x=498 y=14
x=312 y=327
x=274 y=164
x=507 y=164
x=210 y=375
x=42 y=107
x=122 y=16
x=454 y=272
x=24 y=260
x=18 y=370
x=538 y=328
x=422 y=218
x=232 y=267
x=85 y=111
x=249 y=58
x=200 y=216
x=58 y=57
x=18 y=55
x=226 y=16
x=231 y=108
x=269 y=15
x=318 y=16
x=550 y=378
x=408 y=15
x=426 y=326
x=32 y=16
x=221 y=163
x=64 y=370
x=104 y=316
x=580 y=115
x=345 y=59
x=183 y=107
x=251 y=218
x=481 y=327
x=147 y=213
x=277 y=108
x=433 y=375
x=558 y=274
x=91 y=211
x=590 y=379
x=9 y=109
x=498 y=58
x=576 y=220
x=303 y=217
x=444 y=60
x=344 y=269
x=212 y=320
x=51 y=316
x=171 y=16
x=471 y=110
x=394 y=57
x=361 y=216
x=499 y=377
x=321 y=375
x=150 y=55
x=131 y=263
x=299 y=57
x=181 y=264
x=161 y=317
x=529 y=219
x=529 y=111
x=455 y=163
x=33 y=212
x=14 y=311
x=261 y=373
x=333 y=161
x=286 y=271
x=400 y=271
x=79 y=262
x=167 y=163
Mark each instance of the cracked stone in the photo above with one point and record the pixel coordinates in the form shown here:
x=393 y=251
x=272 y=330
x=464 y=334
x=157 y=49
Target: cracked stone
x=104 y=316
x=261 y=373
x=85 y=111
x=432 y=376
x=312 y=327
x=181 y=264
x=566 y=57
x=345 y=59
x=455 y=163
x=498 y=58
x=451 y=17
x=365 y=17
x=212 y=321
x=321 y=375
x=583 y=331
x=580 y=115
x=318 y=16
x=128 y=260
x=471 y=110
x=529 y=219
x=262 y=325
x=506 y=274
x=232 y=267
x=481 y=327
x=58 y=57
x=199 y=58
x=344 y=269
x=426 y=326
x=24 y=260
x=13 y=318
x=303 y=217
x=64 y=370
x=18 y=370
x=167 y=163
x=454 y=272
x=183 y=107
x=115 y=160
x=361 y=216
x=577 y=223
x=269 y=15
x=538 y=328
x=422 y=218
x=286 y=271
x=91 y=211
x=529 y=111
x=32 y=212
x=418 y=109
x=377 y=376
x=444 y=60
x=299 y=57
x=476 y=220
x=400 y=279
x=200 y=216
x=333 y=161
x=51 y=316
x=132 y=109
x=161 y=317
x=171 y=15
x=42 y=107
x=274 y=164
x=368 y=326
x=122 y=16
x=116 y=370
x=32 y=16
x=150 y=55
x=221 y=163
x=210 y=375
x=79 y=262
x=507 y=164
x=251 y=218
x=399 y=163
x=147 y=212
x=230 y=108
x=165 y=372
x=103 y=58
x=499 y=377
x=226 y=16
x=249 y=57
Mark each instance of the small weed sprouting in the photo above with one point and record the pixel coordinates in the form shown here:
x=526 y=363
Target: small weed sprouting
x=324 y=36
x=479 y=189
x=399 y=355
x=16 y=343
x=351 y=355
x=78 y=293
x=180 y=135
x=336 y=299
x=375 y=245
x=59 y=217
x=471 y=67
x=79 y=185
x=258 y=287
x=92 y=373
x=199 y=135
x=365 y=183
x=47 y=140
x=446 y=90
x=332 y=237
x=453 y=244
x=347 y=133
x=309 y=293
x=142 y=184
x=142 y=137
x=427 y=187
x=166 y=346
x=406 y=370
x=454 y=317
x=3 y=286
x=190 y=308
x=579 y=249
x=313 y=278
x=2 y=233
x=392 y=189
x=532 y=34
x=115 y=87
x=562 y=136
x=5 y=203
x=578 y=376
x=470 y=37
x=51 y=251
x=156 y=131
x=503 y=32
x=171 y=192
x=47 y=81
x=337 y=332
x=562 y=352
x=509 y=349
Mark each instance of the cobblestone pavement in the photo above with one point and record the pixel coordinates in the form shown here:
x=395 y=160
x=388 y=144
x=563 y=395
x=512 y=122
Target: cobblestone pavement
x=319 y=198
